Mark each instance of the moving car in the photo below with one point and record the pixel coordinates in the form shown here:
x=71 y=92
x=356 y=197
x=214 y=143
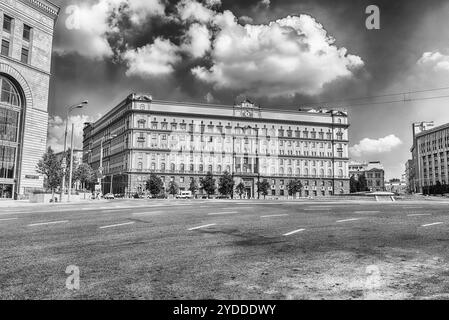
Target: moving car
x=109 y=196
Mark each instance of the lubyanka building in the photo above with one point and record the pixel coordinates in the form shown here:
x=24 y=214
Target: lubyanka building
x=26 y=33
x=184 y=141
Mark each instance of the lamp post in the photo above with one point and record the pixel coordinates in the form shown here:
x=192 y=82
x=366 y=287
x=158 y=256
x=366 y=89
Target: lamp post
x=64 y=161
x=101 y=159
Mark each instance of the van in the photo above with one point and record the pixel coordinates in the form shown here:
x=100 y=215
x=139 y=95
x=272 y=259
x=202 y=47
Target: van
x=184 y=195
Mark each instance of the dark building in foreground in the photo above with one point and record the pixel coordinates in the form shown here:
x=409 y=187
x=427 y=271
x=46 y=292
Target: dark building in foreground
x=184 y=141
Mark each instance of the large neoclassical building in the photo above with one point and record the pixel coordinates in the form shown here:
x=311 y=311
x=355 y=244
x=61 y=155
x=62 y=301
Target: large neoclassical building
x=184 y=141
x=26 y=42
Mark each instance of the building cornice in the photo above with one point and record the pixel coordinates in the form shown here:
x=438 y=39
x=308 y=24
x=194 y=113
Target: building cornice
x=44 y=6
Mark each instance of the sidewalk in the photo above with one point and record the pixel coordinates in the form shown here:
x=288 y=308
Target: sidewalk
x=27 y=203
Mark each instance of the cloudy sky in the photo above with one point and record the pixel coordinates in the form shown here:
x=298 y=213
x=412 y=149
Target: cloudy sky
x=282 y=54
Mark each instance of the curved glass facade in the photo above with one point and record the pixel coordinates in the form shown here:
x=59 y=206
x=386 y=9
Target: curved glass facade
x=10 y=111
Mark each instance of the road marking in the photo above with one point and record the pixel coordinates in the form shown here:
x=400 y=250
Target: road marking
x=418 y=214
x=347 y=220
x=320 y=207
x=147 y=213
x=219 y=213
x=366 y=211
x=9 y=219
x=274 y=215
x=317 y=209
x=117 y=225
x=431 y=224
x=293 y=232
x=47 y=223
x=200 y=227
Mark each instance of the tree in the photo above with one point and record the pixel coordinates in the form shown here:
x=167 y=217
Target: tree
x=362 y=184
x=50 y=167
x=84 y=174
x=193 y=186
x=353 y=184
x=226 y=184
x=154 y=185
x=263 y=187
x=294 y=186
x=208 y=184
x=173 y=188
x=240 y=188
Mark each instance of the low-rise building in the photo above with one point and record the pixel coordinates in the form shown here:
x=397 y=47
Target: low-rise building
x=373 y=171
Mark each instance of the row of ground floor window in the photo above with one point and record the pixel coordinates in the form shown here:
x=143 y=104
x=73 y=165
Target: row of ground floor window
x=130 y=184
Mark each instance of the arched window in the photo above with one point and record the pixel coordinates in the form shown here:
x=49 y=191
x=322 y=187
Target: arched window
x=140 y=166
x=289 y=170
x=329 y=172
x=219 y=169
x=163 y=166
x=209 y=169
x=314 y=172
x=228 y=169
x=340 y=173
x=10 y=94
x=192 y=168
x=307 y=172
x=201 y=168
x=182 y=167
x=322 y=173
x=172 y=167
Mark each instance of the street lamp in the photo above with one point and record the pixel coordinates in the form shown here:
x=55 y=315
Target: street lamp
x=64 y=161
x=101 y=160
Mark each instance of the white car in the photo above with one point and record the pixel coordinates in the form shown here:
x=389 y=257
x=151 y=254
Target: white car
x=185 y=195
x=109 y=196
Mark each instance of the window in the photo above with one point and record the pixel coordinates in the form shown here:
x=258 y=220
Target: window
x=5 y=48
x=26 y=32
x=9 y=93
x=7 y=162
x=25 y=55
x=7 y=23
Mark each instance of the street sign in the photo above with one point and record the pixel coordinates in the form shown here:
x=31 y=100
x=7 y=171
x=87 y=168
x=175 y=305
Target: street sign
x=64 y=163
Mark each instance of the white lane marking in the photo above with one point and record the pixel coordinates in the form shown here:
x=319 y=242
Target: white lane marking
x=418 y=214
x=293 y=232
x=274 y=215
x=320 y=207
x=316 y=209
x=219 y=213
x=9 y=219
x=347 y=220
x=117 y=225
x=366 y=211
x=47 y=223
x=147 y=213
x=200 y=227
x=431 y=224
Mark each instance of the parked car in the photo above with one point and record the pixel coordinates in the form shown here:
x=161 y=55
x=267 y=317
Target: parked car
x=185 y=195
x=109 y=196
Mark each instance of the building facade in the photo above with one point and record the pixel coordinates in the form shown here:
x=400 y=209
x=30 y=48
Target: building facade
x=26 y=33
x=373 y=171
x=430 y=153
x=184 y=141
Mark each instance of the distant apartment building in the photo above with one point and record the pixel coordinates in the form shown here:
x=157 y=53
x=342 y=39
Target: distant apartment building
x=397 y=186
x=430 y=152
x=373 y=171
x=26 y=35
x=181 y=142
x=77 y=156
x=409 y=176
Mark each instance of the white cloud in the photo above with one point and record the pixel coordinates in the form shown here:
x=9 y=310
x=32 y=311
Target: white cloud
x=213 y=3
x=198 y=40
x=245 y=20
x=436 y=60
x=156 y=59
x=285 y=57
x=89 y=24
x=190 y=10
x=264 y=3
x=372 y=146
x=56 y=129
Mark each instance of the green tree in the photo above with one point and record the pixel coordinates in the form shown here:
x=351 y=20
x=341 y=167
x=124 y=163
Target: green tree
x=50 y=167
x=208 y=184
x=362 y=184
x=263 y=187
x=173 y=188
x=353 y=184
x=84 y=174
x=240 y=188
x=193 y=187
x=226 y=184
x=154 y=185
x=294 y=186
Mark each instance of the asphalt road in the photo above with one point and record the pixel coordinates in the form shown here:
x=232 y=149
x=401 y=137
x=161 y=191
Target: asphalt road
x=141 y=249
